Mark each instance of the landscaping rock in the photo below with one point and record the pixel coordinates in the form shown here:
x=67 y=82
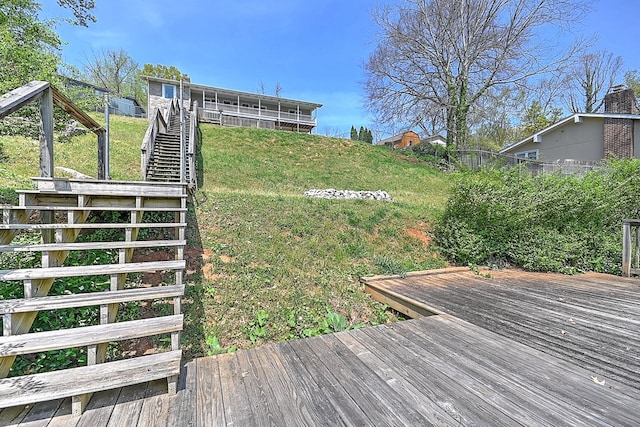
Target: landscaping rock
x=332 y=193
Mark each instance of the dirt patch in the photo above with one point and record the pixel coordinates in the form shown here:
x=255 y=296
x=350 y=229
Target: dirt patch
x=227 y=259
x=208 y=273
x=420 y=235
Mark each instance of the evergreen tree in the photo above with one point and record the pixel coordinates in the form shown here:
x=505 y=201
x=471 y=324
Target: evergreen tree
x=369 y=137
x=354 y=133
x=361 y=134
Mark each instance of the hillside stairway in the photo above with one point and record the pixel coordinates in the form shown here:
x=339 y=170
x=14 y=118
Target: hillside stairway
x=59 y=211
x=164 y=165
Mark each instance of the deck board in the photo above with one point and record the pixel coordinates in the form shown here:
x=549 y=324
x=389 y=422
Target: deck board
x=494 y=356
x=591 y=320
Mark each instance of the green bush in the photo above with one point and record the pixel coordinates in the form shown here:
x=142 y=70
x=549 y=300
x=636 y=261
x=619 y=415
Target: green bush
x=548 y=222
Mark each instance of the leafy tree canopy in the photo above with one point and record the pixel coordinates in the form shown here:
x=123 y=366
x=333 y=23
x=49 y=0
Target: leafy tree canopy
x=170 y=72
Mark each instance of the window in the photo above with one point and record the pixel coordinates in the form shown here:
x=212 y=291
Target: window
x=226 y=102
x=168 y=91
x=244 y=104
x=528 y=155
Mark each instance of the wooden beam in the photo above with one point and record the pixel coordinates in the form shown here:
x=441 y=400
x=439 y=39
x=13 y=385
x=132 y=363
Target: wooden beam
x=46 y=134
x=74 y=111
x=15 y=99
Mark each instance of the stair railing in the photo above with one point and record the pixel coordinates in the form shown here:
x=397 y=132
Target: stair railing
x=191 y=149
x=158 y=124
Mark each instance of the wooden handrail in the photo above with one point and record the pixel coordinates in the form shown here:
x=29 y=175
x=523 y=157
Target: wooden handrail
x=158 y=124
x=191 y=151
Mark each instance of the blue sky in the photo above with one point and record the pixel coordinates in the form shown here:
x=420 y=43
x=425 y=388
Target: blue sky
x=314 y=49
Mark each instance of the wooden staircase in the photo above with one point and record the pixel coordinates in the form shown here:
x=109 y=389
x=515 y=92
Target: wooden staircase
x=164 y=165
x=60 y=209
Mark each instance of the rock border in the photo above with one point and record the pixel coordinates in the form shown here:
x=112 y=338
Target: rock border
x=332 y=193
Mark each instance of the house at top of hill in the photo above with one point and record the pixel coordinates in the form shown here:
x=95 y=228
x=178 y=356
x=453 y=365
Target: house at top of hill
x=120 y=105
x=228 y=107
x=588 y=136
x=403 y=140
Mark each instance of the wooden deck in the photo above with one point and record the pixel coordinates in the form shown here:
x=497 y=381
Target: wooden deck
x=590 y=320
x=437 y=370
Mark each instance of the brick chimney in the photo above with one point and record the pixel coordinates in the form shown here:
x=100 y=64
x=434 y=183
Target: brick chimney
x=618 y=132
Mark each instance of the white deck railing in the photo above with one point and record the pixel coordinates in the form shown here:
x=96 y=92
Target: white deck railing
x=257 y=113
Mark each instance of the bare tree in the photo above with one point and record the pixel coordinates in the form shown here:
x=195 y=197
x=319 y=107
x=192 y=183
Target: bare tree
x=278 y=90
x=437 y=58
x=592 y=77
x=114 y=70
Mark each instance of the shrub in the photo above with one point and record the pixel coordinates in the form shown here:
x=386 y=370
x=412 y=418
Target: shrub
x=543 y=223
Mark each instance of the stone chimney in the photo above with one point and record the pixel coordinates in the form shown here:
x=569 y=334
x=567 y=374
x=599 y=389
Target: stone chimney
x=618 y=132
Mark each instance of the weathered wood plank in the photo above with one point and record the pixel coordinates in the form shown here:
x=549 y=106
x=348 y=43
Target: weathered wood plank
x=99 y=409
x=14 y=415
x=238 y=409
x=64 y=417
x=91 y=226
x=259 y=392
x=331 y=389
x=24 y=305
x=87 y=379
x=371 y=392
x=90 y=270
x=183 y=410
x=209 y=401
x=14 y=100
x=74 y=111
x=90 y=208
x=315 y=398
x=108 y=187
x=467 y=401
x=285 y=394
x=155 y=406
x=36 y=342
x=591 y=319
x=40 y=414
x=412 y=395
x=126 y=410
x=578 y=398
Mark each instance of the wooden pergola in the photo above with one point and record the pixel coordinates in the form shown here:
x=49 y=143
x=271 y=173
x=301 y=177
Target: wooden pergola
x=48 y=95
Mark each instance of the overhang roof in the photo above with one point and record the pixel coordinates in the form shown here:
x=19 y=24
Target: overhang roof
x=274 y=99
x=574 y=118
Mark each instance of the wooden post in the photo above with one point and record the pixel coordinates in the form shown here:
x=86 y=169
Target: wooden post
x=626 y=248
x=102 y=156
x=46 y=133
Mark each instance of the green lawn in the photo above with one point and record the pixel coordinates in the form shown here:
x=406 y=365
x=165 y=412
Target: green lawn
x=268 y=264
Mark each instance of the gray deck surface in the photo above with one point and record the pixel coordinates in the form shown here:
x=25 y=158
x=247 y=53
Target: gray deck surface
x=438 y=370
x=591 y=320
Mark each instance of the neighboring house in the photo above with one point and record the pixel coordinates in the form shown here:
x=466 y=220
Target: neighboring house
x=234 y=108
x=588 y=136
x=435 y=140
x=404 y=140
x=123 y=106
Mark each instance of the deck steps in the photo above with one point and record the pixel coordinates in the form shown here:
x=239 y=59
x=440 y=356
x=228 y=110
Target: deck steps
x=25 y=305
x=60 y=210
x=86 y=246
x=89 y=270
x=37 y=342
x=76 y=382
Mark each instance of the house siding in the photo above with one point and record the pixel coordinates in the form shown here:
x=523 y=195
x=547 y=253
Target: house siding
x=156 y=100
x=575 y=141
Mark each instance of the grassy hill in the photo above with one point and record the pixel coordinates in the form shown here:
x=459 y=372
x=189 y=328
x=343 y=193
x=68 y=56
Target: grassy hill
x=266 y=263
